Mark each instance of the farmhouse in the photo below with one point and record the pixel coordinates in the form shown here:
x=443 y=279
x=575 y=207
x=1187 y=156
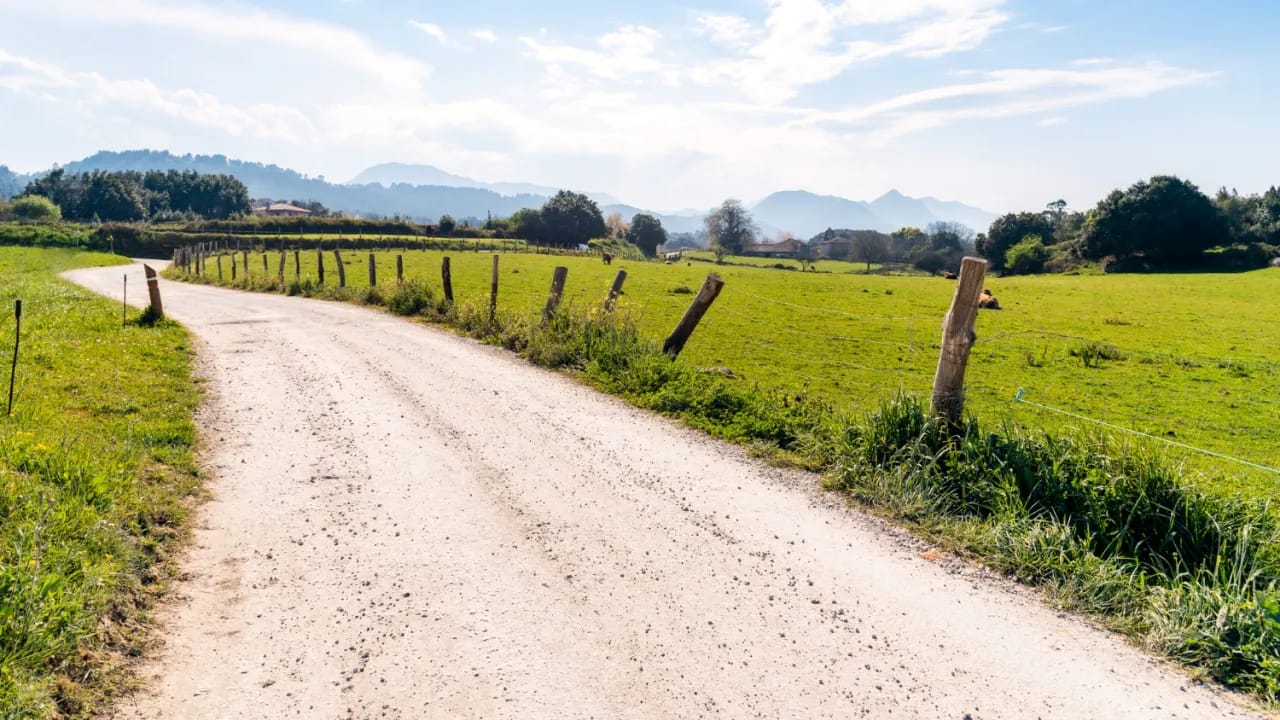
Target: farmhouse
x=836 y=247
x=788 y=248
x=281 y=210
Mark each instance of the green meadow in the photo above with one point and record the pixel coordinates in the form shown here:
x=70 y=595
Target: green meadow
x=1188 y=358
x=96 y=475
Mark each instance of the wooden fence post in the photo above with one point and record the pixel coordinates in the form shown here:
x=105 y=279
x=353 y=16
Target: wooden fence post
x=399 y=269
x=707 y=295
x=557 y=291
x=233 y=267
x=246 y=264
x=342 y=269
x=219 y=261
x=282 y=258
x=297 y=265
x=153 y=288
x=448 y=280
x=266 y=270
x=493 y=290
x=957 y=339
x=320 y=264
x=373 y=272
x=615 y=291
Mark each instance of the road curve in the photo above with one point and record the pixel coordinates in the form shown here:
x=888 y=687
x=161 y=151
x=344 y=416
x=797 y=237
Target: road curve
x=406 y=524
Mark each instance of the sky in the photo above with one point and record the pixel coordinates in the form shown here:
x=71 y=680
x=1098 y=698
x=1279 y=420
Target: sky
x=1003 y=104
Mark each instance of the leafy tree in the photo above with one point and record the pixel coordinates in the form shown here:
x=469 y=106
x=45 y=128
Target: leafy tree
x=111 y=197
x=1166 y=220
x=646 y=232
x=1008 y=231
x=570 y=219
x=871 y=247
x=1055 y=211
x=1027 y=256
x=617 y=227
x=904 y=243
x=446 y=224
x=1239 y=212
x=35 y=208
x=729 y=228
x=931 y=261
x=527 y=223
x=1265 y=222
x=949 y=237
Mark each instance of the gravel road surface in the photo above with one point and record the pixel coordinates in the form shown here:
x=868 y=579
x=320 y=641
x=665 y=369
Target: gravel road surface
x=406 y=524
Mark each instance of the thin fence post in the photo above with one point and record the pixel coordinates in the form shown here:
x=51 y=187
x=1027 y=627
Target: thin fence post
x=153 y=289
x=124 y=302
x=17 y=339
x=447 y=277
x=218 y=261
x=266 y=270
x=557 y=291
x=297 y=265
x=373 y=271
x=320 y=265
x=246 y=263
x=399 y=269
x=707 y=295
x=615 y=290
x=233 y=267
x=282 y=257
x=342 y=269
x=493 y=290
x=957 y=339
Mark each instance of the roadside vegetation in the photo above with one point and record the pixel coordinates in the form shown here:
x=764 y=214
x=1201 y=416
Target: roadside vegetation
x=96 y=476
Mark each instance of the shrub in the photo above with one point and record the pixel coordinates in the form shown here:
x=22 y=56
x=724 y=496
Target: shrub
x=411 y=297
x=35 y=208
x=1027 y=257
x=1092 y=353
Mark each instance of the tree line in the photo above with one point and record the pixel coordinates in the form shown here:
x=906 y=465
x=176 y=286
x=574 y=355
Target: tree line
x=132 y=196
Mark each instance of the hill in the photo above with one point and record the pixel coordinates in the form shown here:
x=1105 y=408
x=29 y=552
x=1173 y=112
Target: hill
x=11 y=183
x=807 y=214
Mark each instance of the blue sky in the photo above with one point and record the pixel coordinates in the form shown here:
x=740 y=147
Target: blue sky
x=1005 y=104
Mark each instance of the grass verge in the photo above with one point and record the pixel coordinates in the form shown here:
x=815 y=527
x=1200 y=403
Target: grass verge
x=1106 y=527
x=97 y=473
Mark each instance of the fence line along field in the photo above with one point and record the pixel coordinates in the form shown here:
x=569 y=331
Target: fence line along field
x=1188 y=358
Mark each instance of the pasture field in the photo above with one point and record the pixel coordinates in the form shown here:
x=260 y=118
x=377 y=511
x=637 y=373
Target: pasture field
x=96 y=468
x=1190 y=358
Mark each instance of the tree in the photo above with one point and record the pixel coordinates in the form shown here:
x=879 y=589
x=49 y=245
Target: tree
x=931 y=261
x=1166 y=220
x=35 y=208
x=729 y=228
x=807 y=254
x=527 y=223
x=1008 y=231
x=1054 y=211
x=111 y=197
x=1026 y=257
x=903 y=243
x=570 y=219
x=869 y=247
x=446 y=224
x=617 y=227
x=646 y=232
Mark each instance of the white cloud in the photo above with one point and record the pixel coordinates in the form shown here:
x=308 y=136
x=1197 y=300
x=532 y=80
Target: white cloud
x=485 y=35
x=621 y=54
x=1052 y=122
x=431 y=29
x=319 y=39
x=732 y=30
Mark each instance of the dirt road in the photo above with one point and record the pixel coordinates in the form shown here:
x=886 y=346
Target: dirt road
x=406 y=524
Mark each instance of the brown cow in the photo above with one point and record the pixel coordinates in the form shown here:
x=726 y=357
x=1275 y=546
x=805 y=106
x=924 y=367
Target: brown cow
x=988 y=301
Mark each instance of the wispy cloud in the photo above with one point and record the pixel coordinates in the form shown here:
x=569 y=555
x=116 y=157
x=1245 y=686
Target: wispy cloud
x=430 y=29
x=1052 y=122
x=732 y=30
x=485 y=35
x=624 y=53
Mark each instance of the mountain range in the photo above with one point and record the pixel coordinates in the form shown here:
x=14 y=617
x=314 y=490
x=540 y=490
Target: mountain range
x=425 y=192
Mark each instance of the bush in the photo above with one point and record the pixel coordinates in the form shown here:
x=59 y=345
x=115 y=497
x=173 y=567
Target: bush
x=35 y=209
x=1027 y=257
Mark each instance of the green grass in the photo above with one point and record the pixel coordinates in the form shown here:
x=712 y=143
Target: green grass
x=96 y=473
x=1194 y=358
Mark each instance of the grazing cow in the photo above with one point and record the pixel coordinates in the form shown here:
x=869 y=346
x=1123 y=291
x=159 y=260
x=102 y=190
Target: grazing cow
x=608 y=259
x=988 y=301
x=950 y=275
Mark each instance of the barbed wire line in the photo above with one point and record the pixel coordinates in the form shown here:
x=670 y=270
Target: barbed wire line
x=831 y=311
x=1020 y=399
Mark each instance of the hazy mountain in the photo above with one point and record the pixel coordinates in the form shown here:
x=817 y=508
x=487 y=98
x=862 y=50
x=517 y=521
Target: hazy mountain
x=397 y=189
x=11 y=183
x=388 y=174
x=807 y=214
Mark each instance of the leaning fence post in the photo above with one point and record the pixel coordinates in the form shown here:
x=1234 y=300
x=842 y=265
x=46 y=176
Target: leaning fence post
x=17 y=339
x=493 y=290
x=447 y=278
x=373 y=271
x=399 y=269
x=557 y=291
x=615 y=290
x=153 y=289
x=957 y=339
x=342 y=270
x=707 y=295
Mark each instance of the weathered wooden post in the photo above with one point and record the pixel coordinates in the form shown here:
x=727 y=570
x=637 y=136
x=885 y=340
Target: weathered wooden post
x=245 y=255
x=493 y=291
x=266 y=271
x=342 y=269
x=320 y=265
x=297 y=265
x=373 y=271
x=707 y=295
x=218 y=260
x=448 y=280
x=282 y=258
x=399 y=269
x=557 y=291
x=233 y=267
x=153 y=289
x=615 y=290
x=957 y=339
